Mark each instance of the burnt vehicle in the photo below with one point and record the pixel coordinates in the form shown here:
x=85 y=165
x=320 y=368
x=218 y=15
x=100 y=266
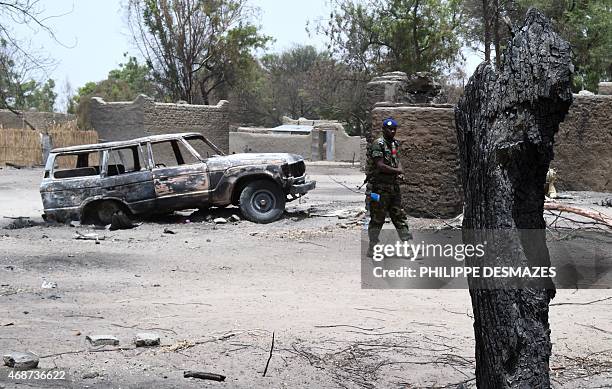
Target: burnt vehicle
x=163 y=173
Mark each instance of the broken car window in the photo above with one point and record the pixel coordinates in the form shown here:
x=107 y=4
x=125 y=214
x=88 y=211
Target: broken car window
x=124 y=160
x=77 y=164
x=171 y=153
x=201 y=147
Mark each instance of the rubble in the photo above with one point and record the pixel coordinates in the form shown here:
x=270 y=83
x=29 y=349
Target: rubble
x=20 y=360
x=90 y=375
x=220 y=220
x=102 y=340
x=233 y=219
x=48 y=285
x=146 y=339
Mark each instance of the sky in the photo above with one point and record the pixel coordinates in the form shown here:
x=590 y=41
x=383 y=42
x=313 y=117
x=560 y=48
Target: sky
x=92 y=35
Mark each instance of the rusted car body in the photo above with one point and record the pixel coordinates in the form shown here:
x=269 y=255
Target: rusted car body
x=162 y=173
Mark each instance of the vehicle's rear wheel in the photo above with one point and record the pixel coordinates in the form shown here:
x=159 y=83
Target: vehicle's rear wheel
x=105 y=210
x=262 y=202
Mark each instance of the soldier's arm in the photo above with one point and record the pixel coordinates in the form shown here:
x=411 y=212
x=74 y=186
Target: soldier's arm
x=386 y=169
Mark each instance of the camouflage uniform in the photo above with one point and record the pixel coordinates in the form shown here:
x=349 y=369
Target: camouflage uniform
x=387 y=186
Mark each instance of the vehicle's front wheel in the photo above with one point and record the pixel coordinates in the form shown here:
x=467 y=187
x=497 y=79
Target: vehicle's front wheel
x=262 y=202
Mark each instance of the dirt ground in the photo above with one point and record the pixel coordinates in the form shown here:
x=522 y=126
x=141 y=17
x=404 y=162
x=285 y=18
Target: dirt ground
x=217 y=293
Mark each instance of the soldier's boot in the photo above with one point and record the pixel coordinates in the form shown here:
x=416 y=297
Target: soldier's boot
x=404 y=234
x=373 y=237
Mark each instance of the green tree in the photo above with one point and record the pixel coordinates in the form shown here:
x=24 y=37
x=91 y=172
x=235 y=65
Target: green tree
x=587 y=25
x=122 y=84
x=194 y=47
x=18 y=91
x=405 y=35
x=305 y=82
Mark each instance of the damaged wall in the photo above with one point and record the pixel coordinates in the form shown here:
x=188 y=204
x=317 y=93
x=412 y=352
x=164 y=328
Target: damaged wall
x=262 y=140
x=143 y=116
x=583 y=146
x=40 y=120
x=428 y=155
x=583 y=152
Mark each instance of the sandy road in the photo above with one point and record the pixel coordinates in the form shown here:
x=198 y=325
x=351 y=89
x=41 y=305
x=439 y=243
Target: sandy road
x=220 y=292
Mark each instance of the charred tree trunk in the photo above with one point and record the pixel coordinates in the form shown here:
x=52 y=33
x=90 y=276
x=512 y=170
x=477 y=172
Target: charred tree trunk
x=486 y=20
x=506 y=123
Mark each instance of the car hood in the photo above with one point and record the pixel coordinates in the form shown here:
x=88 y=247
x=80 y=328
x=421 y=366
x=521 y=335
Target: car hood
x=227 y=161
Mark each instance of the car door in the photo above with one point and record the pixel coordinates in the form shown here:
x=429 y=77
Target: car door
x=126 y=176
x=180 y=178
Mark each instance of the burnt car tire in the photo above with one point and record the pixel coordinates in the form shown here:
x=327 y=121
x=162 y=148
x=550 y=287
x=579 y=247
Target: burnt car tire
x=104 y=212
x=262 y=202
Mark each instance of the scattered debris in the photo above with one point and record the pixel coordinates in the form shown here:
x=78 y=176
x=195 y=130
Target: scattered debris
x=598 y=217
x=233 y=219
x=270 y=356
x=606 y=203
x=75 y=223
x=19 y=223
x=146 y=339
x=7 y=324
x=19 y=360
x=91 y=236
x=90 y=375
x=204 y=376
x=220 y=220
x=49 y=284
x=169 y=231
x=102 y=340
x=120 y=221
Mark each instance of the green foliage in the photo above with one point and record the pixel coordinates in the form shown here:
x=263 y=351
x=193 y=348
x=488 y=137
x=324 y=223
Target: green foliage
x=587 y=25
x=303 y=82
x=122 y=84
x=195 y=47
x=20 y=94
x=388 y=35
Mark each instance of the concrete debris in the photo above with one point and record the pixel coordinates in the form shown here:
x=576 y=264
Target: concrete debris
x=19 y=360
x=102 y=340
x=48 y=284
x=220 y=220
x=88 y=376
x=146 y=339
x=91 y=236
x=345 y=213
x=233 y=219
x=169 y=231
x=19 y=223
x=75 y=223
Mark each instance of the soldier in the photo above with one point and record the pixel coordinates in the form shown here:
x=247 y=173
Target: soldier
x=383 y=195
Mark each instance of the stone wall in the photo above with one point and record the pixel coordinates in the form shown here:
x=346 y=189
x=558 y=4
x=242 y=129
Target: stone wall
x=42 y=121
x=428 y=154
x=583 y=146
x=144 y=117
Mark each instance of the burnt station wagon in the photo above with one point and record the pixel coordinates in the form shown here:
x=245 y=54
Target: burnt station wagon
x=162 y=173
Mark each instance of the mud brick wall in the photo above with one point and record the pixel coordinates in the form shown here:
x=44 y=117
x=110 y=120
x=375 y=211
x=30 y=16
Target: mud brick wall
x=583 y=145
x=210 y=120
x=144 y=117
x=42 y=121
x=583 y=152
x=428 y=154
x=118 y=120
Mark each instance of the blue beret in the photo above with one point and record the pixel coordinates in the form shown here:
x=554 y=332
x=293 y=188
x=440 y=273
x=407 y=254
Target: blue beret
x=389 y=122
